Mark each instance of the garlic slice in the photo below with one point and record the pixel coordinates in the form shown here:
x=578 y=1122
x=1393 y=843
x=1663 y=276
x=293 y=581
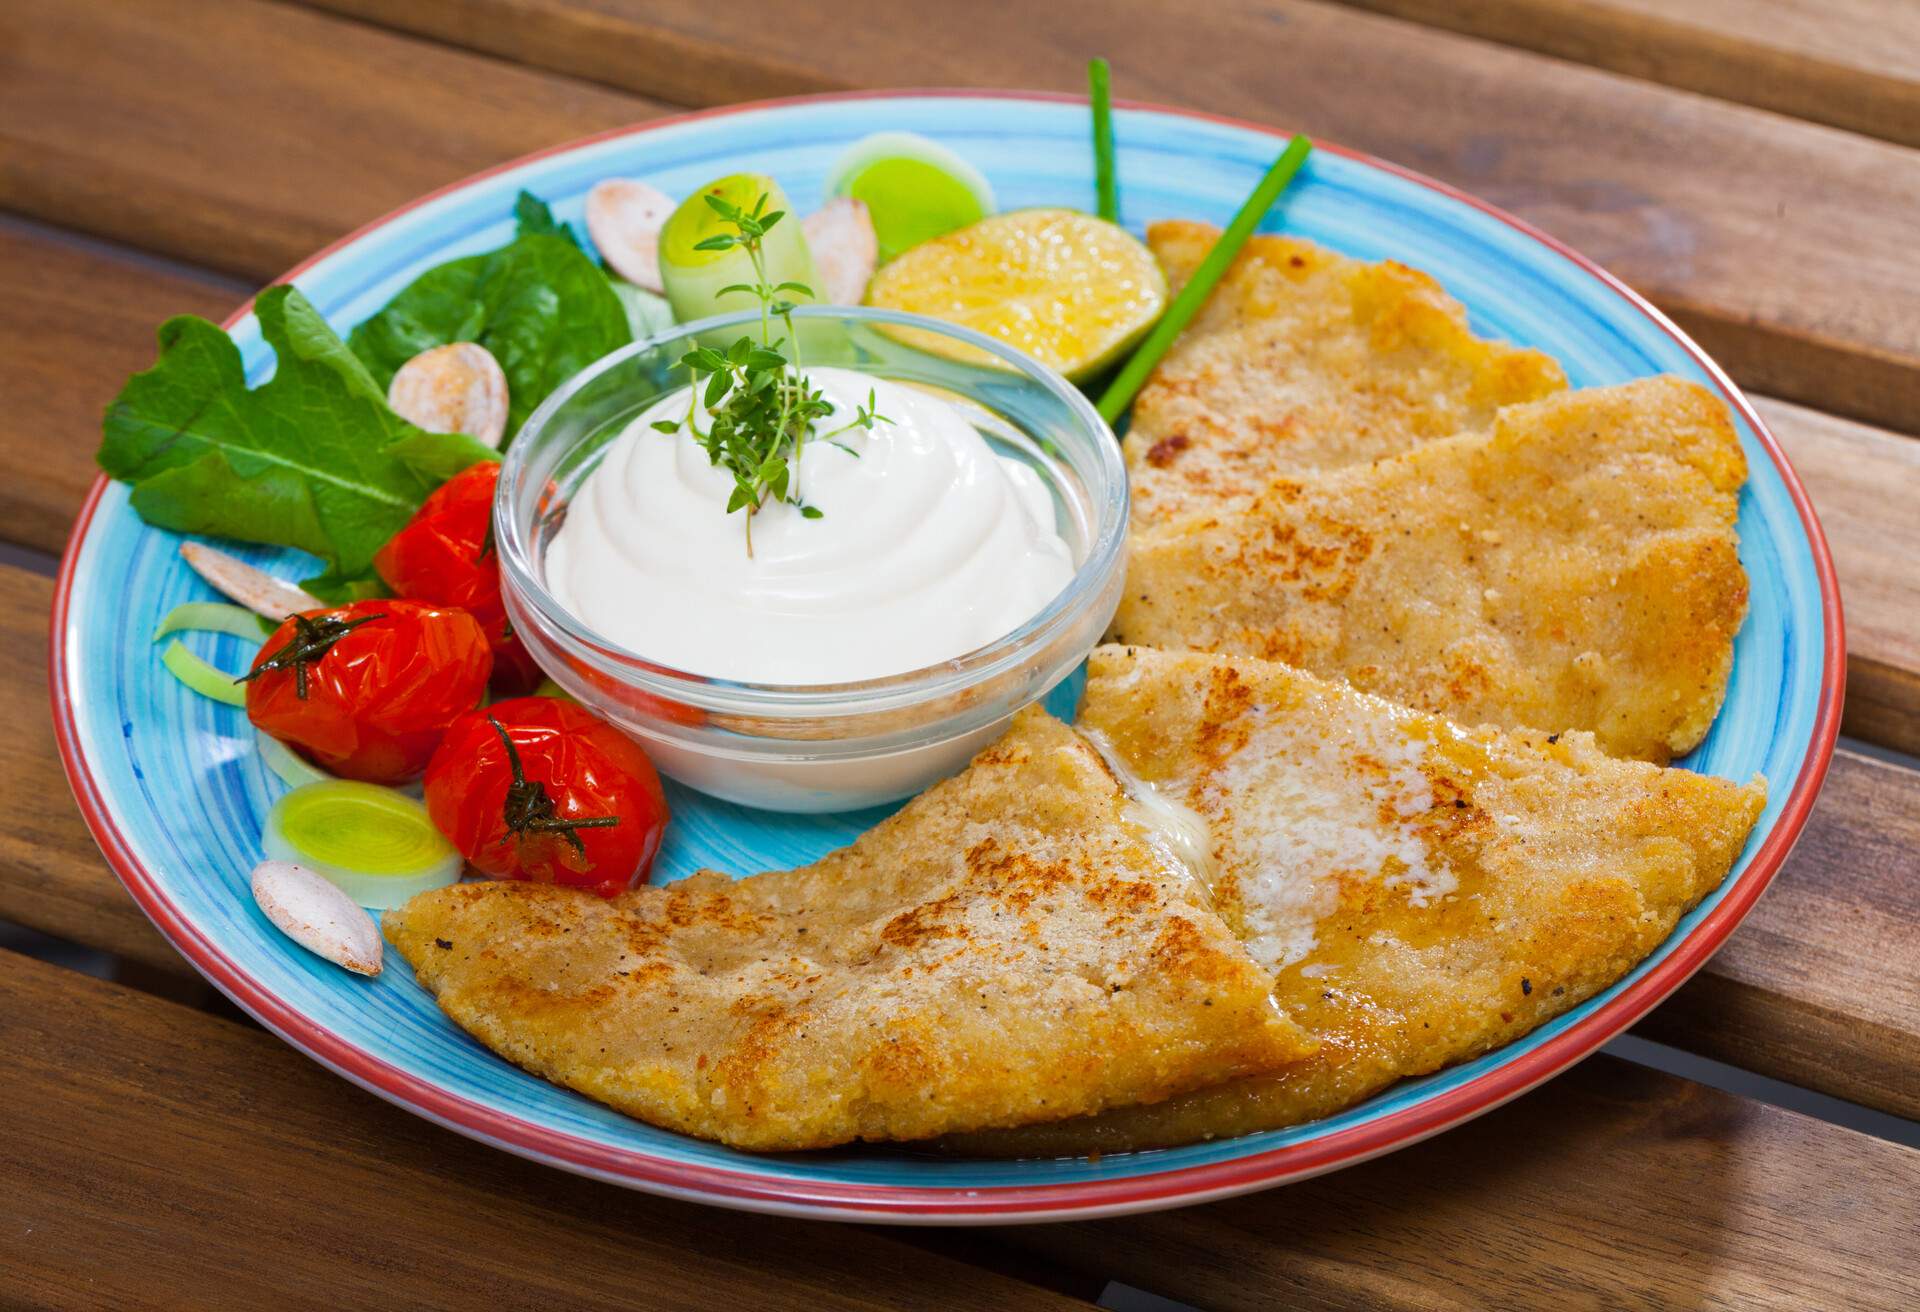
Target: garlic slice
x=845 y=250
x=456 y=388
x=624 y=218
x=240 y=582
x=318 y=916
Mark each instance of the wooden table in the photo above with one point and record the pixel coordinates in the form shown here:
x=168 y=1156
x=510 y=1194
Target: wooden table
x=1752 y=165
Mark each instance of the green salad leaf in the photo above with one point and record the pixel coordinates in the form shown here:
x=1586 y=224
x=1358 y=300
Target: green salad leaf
x=535 y=218
x=543 y=308
x=312 y=458
x=647 y=312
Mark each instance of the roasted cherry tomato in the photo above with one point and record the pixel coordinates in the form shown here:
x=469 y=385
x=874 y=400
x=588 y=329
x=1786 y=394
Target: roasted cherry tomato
x=539 y=788
x=366 y=690
x=445 y=555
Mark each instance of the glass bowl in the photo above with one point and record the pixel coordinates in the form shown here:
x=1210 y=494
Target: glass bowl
x=821 y=747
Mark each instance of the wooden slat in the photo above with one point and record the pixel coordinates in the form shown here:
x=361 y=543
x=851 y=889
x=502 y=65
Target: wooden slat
x=1785 y=247
x=75 y=320
x=1853 y=64
x=160 y=1157
x=1821 y=986
x=52 y=877
x=1616 y=1187
x=244 y=135
x=1865 y=484
x=1805 y=992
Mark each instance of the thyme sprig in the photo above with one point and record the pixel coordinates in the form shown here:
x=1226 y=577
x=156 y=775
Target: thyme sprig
x=761 y=409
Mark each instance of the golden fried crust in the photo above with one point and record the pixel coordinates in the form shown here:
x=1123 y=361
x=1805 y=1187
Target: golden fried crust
x=1011 y=947
x=1425 y=893
x=1305 y=360
x=1576 y=567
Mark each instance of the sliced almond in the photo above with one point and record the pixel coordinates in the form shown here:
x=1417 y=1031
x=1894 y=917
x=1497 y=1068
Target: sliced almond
x=845 y=250
x=456 y=388
x=319 y=917
x=624 y=218
x=258 y=591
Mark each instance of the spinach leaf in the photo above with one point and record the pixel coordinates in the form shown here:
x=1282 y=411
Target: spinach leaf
x=311 y=458
x=539 y=304
x=535 y=218
x=647 y=312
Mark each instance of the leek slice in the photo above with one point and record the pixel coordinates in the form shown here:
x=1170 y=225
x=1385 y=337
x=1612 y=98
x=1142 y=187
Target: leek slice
x=914 y=188
x=214 y=617
x=202 y=676
x=695 y=279
x=379 y=847
x=293 y=769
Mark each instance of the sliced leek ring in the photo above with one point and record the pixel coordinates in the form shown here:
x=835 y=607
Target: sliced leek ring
x=378 y=846
x=204 y=677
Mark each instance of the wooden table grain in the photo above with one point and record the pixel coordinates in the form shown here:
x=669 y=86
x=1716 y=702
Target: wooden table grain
x=1754 y=168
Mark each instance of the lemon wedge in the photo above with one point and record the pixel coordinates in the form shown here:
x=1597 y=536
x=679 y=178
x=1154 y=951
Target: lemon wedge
x=1073 y=291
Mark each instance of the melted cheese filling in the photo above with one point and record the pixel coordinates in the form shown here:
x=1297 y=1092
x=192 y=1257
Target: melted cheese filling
x=1176 y=832
x=1313 y=809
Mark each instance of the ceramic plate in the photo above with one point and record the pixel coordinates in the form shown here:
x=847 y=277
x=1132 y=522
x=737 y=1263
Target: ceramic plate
x=175 y=792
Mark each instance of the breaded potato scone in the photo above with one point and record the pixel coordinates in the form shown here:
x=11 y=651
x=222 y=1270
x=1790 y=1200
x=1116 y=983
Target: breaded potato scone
x=1013 y=946
x=1423 y=892
x=1303 y=360
x=1575 y=567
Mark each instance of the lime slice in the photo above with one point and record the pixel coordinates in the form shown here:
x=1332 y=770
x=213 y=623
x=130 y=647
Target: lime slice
x=914 y=188
x=1073 y=291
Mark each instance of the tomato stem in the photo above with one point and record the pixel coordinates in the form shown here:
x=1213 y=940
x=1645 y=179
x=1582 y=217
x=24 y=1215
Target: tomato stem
x=529 y=810
x=312 y=639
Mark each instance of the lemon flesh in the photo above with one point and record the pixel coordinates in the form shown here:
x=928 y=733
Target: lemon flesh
x=1073 y=291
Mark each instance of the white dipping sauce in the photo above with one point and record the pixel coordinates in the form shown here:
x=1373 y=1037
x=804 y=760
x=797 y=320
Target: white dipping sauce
x=928 y=546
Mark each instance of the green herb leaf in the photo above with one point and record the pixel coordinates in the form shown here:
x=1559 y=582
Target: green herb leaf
x=539 y=304
x=310 y=459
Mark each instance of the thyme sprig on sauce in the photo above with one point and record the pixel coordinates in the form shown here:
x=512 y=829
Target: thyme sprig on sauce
x=761 y=409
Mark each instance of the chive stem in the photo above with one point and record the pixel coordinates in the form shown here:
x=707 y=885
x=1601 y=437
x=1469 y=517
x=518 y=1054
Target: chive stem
x=1106 y=180
x=1119 y=394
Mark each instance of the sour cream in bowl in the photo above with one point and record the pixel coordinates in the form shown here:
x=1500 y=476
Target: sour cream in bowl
x=923 y=545
x=949 y=546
